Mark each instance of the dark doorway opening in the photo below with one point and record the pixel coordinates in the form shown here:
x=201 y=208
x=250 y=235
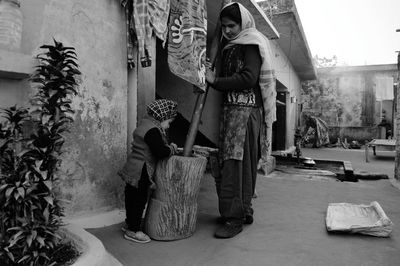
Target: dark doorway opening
x=279 y=127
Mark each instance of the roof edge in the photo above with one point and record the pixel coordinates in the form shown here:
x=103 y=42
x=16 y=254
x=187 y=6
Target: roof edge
x=364 y=68
x=264 y=25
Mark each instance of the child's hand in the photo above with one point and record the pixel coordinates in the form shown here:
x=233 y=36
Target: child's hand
x=174 y=148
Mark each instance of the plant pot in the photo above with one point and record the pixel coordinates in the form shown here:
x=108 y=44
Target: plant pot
x=93 y=252
x=10 y=25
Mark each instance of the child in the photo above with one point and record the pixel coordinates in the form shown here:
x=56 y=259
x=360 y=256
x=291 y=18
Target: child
x=149 y=145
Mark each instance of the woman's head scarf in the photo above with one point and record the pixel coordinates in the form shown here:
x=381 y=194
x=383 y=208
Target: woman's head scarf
x=162 y=110
x=233 y=11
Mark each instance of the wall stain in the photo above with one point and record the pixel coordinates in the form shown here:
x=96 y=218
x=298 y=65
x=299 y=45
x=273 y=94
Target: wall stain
x=95 y=104
x=109 y=90
x=90 y=166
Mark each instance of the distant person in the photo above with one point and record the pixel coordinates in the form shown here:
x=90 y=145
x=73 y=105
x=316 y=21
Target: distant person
x=148 y=146
x=388 y=128
x=242 y=74
x=320 y=129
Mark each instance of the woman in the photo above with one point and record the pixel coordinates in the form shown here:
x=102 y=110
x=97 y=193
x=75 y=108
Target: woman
x=246 y=80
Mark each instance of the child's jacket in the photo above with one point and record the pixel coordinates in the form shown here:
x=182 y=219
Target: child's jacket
x=140 y=154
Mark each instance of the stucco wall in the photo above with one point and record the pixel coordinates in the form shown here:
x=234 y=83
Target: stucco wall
x=96 y=146
x=13 y=92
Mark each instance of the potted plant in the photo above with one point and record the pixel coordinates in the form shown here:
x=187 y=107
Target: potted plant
x=31 y=143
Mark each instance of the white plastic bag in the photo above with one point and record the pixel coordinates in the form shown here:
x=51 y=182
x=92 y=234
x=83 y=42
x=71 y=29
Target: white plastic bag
x=363 y=219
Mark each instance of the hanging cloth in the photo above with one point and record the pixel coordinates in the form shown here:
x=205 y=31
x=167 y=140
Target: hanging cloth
x=130 y=32
x=142 y=17
x=143 y=30
x=187 y=40
x=158 y=13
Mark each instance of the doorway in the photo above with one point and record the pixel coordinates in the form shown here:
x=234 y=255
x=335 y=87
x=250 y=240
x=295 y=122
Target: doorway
x=279 y=127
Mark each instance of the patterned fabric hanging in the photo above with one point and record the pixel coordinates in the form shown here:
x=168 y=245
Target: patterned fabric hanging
x=130 y=32
x=187 y=40
x=143 y=30
x=159 y=12
x=143 y=17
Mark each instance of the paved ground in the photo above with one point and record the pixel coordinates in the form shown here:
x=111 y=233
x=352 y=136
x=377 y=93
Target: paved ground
x=289 y=227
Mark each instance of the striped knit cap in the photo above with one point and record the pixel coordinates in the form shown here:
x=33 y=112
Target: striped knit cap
x=162 y=110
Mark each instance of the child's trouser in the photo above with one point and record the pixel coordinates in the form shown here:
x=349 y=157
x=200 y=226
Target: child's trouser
x=135 y=202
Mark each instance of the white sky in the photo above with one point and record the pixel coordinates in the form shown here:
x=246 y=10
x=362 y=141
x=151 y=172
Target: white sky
x=358 y=32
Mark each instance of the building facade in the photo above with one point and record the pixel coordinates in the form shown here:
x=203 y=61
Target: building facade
x=97 y=144
x=113 y=97
x=357 y=102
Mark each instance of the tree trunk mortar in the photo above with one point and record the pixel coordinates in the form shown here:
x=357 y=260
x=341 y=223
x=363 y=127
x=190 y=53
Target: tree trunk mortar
x=172 y=210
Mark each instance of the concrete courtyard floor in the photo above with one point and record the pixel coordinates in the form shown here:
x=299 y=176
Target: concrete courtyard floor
x=289 y=227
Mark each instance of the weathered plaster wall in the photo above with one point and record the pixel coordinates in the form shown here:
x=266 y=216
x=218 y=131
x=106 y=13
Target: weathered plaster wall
x=13 y=92
x=96 y=147
x=286 y=75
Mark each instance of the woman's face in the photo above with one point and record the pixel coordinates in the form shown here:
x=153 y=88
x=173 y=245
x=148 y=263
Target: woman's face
x=230 y=28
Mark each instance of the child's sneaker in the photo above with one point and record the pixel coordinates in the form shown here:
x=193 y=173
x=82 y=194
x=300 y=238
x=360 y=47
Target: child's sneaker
x=138 y=236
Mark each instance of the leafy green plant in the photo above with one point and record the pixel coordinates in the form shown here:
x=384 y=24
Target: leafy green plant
x=30 y=149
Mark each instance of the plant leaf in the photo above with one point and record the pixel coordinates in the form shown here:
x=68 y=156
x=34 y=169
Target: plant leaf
x=11 y=256
x=9 y=191
x=46 y=214
x=49 y=200
x=40 y=240
x=23 y=258
x=3 y=187
x=21 y=192
x=29 y=240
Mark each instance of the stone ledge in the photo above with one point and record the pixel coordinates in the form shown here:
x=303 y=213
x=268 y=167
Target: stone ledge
x=93 y=250
x=97 y=220
x=15 y=65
